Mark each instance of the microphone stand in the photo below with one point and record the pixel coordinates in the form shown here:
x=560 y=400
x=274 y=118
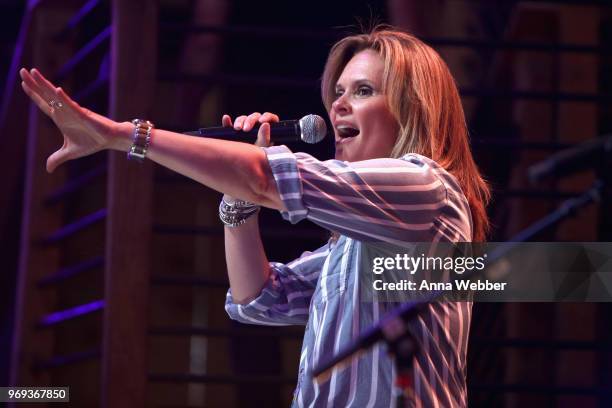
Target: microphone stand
x=403 y=351
x=393 y=328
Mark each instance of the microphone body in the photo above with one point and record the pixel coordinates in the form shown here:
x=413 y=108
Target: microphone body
x=309 y=129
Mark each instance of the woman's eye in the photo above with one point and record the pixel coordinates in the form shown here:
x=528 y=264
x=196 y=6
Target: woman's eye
x=338 y=93
x=364 y=91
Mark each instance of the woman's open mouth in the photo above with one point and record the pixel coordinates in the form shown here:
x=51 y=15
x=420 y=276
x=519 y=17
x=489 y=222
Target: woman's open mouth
x=346 y=133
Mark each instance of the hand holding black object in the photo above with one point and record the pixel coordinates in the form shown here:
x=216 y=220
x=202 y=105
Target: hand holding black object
x=246 y=123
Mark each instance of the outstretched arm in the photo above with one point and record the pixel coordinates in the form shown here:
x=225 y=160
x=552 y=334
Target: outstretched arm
x=238 y=169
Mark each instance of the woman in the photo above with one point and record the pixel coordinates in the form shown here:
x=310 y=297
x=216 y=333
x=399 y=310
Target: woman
x=403 y=173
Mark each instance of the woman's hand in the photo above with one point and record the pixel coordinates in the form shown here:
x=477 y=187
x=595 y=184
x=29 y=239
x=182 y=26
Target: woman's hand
x=84 y=131
x=246 y=123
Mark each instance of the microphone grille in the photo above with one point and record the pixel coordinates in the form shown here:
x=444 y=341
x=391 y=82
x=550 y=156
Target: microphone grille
x=313 y=128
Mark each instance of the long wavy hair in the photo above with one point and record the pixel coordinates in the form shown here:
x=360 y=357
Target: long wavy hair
x=423 y=97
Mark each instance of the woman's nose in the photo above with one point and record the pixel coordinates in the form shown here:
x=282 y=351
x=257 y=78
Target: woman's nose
x=341 y=104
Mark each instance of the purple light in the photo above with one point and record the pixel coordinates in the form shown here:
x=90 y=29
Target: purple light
x=68 y=314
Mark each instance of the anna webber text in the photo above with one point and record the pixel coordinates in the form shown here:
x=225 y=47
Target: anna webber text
x=459 y=285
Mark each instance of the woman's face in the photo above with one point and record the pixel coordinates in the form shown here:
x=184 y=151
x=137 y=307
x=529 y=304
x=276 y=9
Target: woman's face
x=364 y=127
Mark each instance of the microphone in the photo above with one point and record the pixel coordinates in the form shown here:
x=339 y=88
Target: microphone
x=587 y=154
x=309 y=129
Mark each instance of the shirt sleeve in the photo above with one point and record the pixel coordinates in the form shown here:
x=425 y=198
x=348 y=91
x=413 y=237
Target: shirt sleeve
x=285 y=298
x=386 y=200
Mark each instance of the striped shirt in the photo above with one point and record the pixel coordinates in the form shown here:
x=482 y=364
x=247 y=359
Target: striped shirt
x=411 y=199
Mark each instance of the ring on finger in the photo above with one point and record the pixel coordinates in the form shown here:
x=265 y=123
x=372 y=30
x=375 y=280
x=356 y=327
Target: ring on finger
x=55 y=104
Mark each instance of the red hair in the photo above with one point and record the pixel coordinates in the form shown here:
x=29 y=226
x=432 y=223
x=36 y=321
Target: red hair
x=423 y=97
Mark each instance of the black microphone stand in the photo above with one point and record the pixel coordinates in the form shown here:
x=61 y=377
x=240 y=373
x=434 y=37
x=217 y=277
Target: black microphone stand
x=403 y=350
x=393 y=328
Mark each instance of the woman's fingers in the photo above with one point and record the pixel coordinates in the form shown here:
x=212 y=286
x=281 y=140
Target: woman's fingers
x=239 y=121
x=55 y=160
x=55 y=96
x=263 y=135
x=44 y=85
x=36 y=98
x=269 y=117
x=60 y=156
x=31 y=88
x=246 y=123
x=226 y=121
x=48 y=98
x=250 y=121
x=63 y=97
x=30 y=82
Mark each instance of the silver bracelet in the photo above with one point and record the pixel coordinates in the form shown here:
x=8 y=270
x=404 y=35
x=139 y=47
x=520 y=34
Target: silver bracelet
x=235 y=212
x=140 y=140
